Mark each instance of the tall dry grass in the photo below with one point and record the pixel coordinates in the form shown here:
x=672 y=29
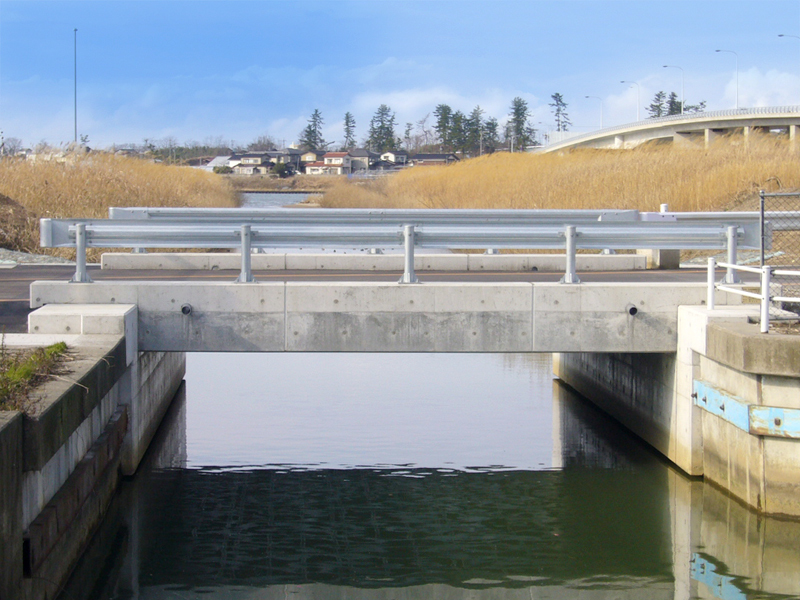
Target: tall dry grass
x=85 y=187
x=688 y=179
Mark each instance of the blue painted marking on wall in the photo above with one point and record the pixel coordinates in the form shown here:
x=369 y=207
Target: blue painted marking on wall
x=758 y=420
x=722 y=586
x=778 y=422
x=732 y=409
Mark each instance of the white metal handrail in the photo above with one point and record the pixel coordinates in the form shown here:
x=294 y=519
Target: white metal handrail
x=764 y=295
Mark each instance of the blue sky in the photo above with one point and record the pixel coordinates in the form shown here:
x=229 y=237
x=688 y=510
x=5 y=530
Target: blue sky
x=197 y=70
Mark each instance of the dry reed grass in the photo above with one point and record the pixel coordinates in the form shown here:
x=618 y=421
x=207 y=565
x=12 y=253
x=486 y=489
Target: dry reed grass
x=85 y=187
x=688 y=179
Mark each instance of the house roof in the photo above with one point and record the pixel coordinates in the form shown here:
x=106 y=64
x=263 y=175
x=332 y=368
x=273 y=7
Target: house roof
x=363 y=153
x=336 y=154
x=444 y=156
x=219 y=161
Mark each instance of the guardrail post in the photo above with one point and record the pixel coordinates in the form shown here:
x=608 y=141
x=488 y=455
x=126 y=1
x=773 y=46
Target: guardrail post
x=712 y=285
x=570 y=276
x=246 y=276
x=730 y=275
x=408 y=273
x=81 y=274
x=766 y=278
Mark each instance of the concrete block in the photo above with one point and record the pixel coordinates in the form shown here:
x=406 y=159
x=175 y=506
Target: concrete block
x=555 y=297
x=781 y=475
x=441 y=262
x=483 y=332
x=227 y=261
x=499 y=262
x=557 y=331
x=781 y=392
x=209 y=331
x=267 y=261
x=258 y=298
x=319 y=297
x=455 y=297
x=360 y=332
x=11 y=433
x=154 y=260
x=99 y=292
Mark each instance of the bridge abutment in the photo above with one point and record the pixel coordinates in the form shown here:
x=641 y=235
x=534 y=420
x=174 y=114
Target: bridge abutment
x=725 y=406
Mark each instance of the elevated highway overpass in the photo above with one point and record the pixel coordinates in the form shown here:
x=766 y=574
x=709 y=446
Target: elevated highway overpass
x=690 y=129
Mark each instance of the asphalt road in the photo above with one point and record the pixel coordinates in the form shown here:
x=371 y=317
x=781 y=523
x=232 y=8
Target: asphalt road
x=15 y=282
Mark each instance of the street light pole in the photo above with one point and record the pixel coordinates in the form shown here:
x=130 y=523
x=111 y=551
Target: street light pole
x=75 y=33
x=737 y=74
x=797 y=37
x=683 y=99
x=638 y=96
x=601 y=108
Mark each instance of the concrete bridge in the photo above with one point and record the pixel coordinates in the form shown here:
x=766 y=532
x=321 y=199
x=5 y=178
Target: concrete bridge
x=690 y=129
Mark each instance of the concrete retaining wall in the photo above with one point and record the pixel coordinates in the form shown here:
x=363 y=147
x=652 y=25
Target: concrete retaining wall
x=60 y=465
x=373 y=262
x=703 y=407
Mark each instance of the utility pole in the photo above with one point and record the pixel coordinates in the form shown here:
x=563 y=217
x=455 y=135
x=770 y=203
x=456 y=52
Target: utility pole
x=76 y=86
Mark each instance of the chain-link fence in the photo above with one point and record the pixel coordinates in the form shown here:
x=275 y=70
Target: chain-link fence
x=780 y=226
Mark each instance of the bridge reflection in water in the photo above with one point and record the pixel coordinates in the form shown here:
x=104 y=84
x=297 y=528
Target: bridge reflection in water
x=609 y=521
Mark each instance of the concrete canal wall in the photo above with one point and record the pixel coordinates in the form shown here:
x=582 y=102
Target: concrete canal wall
x=60 y=465
x=726 y=406
x=381 y=262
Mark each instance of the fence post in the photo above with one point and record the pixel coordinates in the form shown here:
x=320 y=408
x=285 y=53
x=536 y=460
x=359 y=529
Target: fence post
x=246 y=276
x=81 y=274
x=766 y=278
x=731 y=276
x=408 y=273
x=761 y=222
x=712 y=265
x=570 y=276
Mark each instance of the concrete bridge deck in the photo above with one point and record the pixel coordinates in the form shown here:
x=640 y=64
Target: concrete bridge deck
x=335 y=316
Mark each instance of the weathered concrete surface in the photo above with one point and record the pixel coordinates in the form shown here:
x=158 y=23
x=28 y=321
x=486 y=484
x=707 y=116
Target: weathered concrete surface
x=653 y=396
x=372 y=262
x=10 y=503
x=388 y=317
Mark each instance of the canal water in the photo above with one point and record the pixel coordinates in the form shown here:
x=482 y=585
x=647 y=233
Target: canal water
x=271 y=199
x=404 y=476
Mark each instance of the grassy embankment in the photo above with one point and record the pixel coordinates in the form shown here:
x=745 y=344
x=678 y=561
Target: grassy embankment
x=726 y=176
x=87 y=186
x=22 y=371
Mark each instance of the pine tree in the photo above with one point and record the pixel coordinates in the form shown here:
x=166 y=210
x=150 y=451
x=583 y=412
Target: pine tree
x=382 y=137
x=474 y=130
x=349 y=132
x=673 y=104
x=311 y=136
x=518 y=130
x=560 y=112
x=444 y=125
x=658 y=107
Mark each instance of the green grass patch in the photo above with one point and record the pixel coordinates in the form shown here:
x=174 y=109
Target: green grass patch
x=22 y=371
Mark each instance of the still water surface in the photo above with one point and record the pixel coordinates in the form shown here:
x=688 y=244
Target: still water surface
x=399 y=476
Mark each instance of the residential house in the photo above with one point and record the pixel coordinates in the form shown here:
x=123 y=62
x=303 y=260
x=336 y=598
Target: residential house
x=399 y=158
x=253 y=163
x=332 y=163
x=420 y=160
x=361 y=159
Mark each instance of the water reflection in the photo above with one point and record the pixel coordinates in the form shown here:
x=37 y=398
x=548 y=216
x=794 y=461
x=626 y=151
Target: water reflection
x=604 y=518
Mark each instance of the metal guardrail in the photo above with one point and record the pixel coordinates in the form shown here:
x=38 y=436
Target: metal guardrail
x=362 y=216
x=764 y=295
x=254 y=234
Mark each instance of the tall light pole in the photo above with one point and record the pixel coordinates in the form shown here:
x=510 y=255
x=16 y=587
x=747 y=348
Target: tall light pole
x=737 y=74
x=638 y=96
x=76 y=86
x=601 y=108
x=797 y=37
x=683 y=100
